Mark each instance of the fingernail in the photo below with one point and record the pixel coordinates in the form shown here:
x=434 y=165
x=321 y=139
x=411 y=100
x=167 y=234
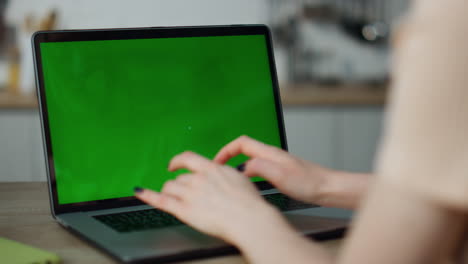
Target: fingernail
x=241 y=167
x=138 y=189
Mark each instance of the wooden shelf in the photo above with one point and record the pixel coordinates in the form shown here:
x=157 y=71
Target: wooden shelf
x=307 y=95
x=11 y=101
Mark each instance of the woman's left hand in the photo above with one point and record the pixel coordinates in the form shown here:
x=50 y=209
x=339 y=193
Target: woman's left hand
x=214 y=198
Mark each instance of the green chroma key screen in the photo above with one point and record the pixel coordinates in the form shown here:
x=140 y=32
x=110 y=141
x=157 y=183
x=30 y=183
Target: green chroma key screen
x=119 y=110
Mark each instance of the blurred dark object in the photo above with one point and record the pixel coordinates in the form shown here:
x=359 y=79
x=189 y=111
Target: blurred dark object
x=333 y=42
x=3 y=4
x=366 y=32
x=5 y=38
x=324 y=12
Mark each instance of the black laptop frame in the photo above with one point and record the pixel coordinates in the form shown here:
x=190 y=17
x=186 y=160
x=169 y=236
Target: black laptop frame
x=134 y=33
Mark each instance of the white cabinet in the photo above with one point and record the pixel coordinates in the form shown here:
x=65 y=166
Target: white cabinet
x=14 y=143
x=339 y=137
x=21 y=156
x=310 y=135
x=358 y=133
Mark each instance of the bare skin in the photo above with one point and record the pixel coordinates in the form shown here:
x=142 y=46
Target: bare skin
x=218 y=200
x=302 y=180
x=395 y=223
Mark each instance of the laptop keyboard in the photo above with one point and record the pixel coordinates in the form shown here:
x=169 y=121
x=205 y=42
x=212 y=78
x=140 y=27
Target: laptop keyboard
x=138 y=220
x=286 y=203
x=153 y=218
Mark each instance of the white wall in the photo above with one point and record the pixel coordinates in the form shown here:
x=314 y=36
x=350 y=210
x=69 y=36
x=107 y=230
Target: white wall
x=140 y=13
x=86 y=14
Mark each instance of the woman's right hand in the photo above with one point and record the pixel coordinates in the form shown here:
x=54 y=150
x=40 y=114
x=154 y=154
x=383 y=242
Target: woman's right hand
x=295 y=177
x=291 y=175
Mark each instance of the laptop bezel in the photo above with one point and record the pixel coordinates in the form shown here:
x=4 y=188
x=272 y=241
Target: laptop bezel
x=134 y=33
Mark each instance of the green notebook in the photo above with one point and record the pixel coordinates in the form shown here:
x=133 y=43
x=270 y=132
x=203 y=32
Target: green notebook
x=16 y=253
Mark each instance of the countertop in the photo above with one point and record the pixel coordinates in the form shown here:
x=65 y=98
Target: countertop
x=11 y=101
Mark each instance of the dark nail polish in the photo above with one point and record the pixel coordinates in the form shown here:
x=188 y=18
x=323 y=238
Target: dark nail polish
x=137 y=189
x=241 y=167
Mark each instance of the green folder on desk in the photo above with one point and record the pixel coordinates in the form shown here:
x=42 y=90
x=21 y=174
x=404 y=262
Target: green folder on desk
x=16 y=253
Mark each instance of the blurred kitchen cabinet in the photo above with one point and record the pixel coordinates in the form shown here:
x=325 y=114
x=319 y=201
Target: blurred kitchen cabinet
x=21 y=156
x=338 y=137
x=359 y=130
x=14 y=146
x=309 y=133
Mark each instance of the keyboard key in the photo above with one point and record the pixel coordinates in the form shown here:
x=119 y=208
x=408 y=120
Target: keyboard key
x=153 y=218
x=286 y=203
x=138 y=220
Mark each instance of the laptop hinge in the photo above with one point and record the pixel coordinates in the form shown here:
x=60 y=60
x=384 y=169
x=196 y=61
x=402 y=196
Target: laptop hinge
x=61 y=221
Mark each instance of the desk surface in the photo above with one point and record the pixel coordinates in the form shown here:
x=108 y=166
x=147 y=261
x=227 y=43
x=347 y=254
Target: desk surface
x=25 y=217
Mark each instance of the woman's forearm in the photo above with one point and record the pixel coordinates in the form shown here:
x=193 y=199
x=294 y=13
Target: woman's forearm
x=343 y=189
x=276 y=241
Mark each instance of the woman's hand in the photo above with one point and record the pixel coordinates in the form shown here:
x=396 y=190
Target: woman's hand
x=295 y=177
x=215 y=199
x=291 y=175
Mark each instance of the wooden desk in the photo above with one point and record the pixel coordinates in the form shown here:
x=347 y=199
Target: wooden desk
x=25 y=217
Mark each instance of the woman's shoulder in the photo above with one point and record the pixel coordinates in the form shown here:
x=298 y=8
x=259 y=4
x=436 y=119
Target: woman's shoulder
x=425 y=147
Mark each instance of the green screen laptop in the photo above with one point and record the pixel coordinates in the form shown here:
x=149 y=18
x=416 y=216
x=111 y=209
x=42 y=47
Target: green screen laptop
x=117 y=105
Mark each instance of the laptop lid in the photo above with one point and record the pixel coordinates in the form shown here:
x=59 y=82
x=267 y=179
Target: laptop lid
x=117 y=104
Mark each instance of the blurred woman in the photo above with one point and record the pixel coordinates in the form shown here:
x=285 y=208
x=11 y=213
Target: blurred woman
x=414 y=210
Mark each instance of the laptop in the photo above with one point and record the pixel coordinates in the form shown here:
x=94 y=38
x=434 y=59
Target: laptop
x=117 y=104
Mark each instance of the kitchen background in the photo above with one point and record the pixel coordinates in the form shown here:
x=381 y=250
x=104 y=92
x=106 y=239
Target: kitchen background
x=332 y=58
